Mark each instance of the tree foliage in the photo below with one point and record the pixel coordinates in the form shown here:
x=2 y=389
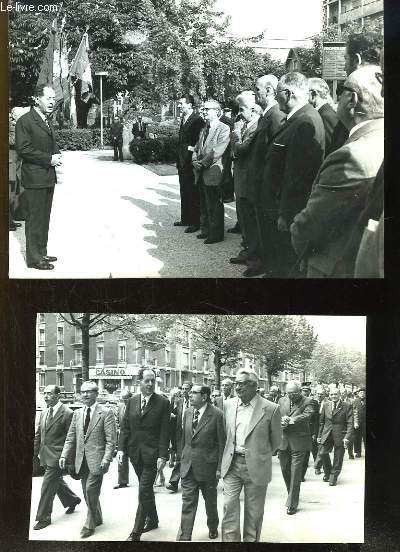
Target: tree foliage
x=331 y=363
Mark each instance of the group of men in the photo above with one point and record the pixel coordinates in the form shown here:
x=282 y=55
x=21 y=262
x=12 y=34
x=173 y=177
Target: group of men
x=229 y=437
x=309 y=197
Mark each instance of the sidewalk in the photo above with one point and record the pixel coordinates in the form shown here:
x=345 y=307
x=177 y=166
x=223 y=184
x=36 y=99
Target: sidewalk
x=112 y=219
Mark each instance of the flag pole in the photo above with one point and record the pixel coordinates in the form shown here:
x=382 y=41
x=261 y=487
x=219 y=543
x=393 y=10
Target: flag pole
x=101 y=74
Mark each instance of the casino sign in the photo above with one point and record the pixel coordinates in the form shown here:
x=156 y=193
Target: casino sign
x=113 y=372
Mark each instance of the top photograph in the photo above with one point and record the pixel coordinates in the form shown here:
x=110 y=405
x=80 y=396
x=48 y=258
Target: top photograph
x=196 y=139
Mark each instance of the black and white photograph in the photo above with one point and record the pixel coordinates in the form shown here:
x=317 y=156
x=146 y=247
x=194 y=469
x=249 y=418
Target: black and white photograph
x=138 y=413
x=196 y=139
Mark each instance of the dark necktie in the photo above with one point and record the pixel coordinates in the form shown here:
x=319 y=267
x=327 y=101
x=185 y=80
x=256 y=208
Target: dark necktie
x=206 y=132
x=244 y=127
x=334 y=406
x=49 y=417
x=195 y=420
x=143 y=404
x=87 y=420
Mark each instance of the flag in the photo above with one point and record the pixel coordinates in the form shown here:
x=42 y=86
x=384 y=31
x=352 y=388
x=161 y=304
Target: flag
x=80 y=68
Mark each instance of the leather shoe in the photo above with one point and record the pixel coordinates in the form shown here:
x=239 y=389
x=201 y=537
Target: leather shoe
x=325 y=478
x=179 y=223
x=291 y=511
x=332 y=481
x=190 y=229
x=229 y=199
x=12 y=228
x=253 y=271
x=208 y=240
x=358 y=455
x=149 y=526
x=234 y=230
x=42 y=524
x=71 y=509
x=171 y=487
x=201 y=236
x=213 y=534
x=134 y=536
x=42 y=265
x=49 y=259
x=240 y=260
x=122 y=486
x=16 y=224
x=318 y=471
x=85 y=532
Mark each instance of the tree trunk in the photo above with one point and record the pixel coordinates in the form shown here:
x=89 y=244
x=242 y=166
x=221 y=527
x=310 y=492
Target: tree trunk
x=217 y=364
x=85 y=346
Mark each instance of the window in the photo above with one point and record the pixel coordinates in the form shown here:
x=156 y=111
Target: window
x=78 y=356
x=185 y=361
x=78 y=335
x=121 y=353
x=167 y=357
x=60 y=379
x=194 y=361
x=146 y=355
x=41 y=318
x=42 y=379
x=41 y=358
x=100 y=337
x=60 y=335
x=99 y=354
x=42 y=337
x=60 y=356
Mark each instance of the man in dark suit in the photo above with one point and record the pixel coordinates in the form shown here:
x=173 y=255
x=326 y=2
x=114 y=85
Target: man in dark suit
x=144 y=437
x=48 y=444
x=189 y=130
x=36 y=145
x=296 y=411
x=123 y=467
x=292 y=162
x=320 y=98
x=274 y=394
x=321 y=231
x=203 y=441
x=227 y=177
x=335 y=431
x=359 y=406
x=314 y=427
x=139 y=128
x=116 y=131
x=321 y=399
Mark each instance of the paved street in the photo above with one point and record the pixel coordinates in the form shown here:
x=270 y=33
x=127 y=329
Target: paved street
x=116 y=220
x=326 y=514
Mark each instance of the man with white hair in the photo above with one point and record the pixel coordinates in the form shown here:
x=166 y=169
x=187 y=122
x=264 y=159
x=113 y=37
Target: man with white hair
x=207 y=166
x=253 y=433
x=322 y=229
x=320 y=98
x=291 y=164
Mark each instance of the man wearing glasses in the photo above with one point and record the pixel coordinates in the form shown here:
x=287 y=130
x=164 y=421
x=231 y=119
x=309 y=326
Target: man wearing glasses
x=253 y=433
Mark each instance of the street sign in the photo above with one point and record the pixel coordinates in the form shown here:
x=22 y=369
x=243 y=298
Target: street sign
x=333 y=61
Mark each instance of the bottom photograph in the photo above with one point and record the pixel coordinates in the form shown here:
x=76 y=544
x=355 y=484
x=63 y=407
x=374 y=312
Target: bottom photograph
x=208 y=428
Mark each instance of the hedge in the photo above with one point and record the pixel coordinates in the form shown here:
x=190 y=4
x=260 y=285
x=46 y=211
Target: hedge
x=81 y=139
x=162 y=149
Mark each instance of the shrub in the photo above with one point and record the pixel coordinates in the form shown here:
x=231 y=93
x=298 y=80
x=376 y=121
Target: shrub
x=81 y=139
x=162 y=149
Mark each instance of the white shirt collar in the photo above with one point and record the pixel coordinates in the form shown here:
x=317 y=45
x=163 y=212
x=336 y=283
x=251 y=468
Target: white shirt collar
x=40 y=114
x=269 y=107
x=146 y=398
x=252 y=403
x=253 y=122
x=186 y=117
x=352 y=131
x=294 y=110
x=92 y=407
x=201 y=410
x=55 y=407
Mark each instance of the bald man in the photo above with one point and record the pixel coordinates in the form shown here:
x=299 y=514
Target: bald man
x=322 y=229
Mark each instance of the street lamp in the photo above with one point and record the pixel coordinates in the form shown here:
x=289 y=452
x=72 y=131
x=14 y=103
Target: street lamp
x=101 y=74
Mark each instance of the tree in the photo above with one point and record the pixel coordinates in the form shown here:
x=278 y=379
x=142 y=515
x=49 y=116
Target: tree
x=333 y=364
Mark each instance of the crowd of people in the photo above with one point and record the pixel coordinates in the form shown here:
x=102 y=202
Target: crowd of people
x=206 y=436
x=307 y=174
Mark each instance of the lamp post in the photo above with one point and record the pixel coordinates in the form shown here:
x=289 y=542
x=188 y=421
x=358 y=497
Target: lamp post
x=101 y=74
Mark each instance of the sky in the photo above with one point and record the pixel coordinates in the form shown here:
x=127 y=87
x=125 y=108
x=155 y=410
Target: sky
x=341 y=330
x=281 y=18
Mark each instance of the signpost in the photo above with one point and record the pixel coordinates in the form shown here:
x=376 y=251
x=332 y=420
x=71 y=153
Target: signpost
x=101 y=74
x=333 y=60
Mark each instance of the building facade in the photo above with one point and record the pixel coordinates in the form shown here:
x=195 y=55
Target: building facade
x=340 y=13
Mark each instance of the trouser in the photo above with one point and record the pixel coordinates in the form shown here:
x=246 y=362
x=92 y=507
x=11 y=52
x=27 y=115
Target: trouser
x=318 y=461
x=146 y=509
x=39 y=202
x=118 y=151
x=254 y=501
x=190 y=498
x=338 y=454
x=291 y=462
x=53 y=484
x=91 y=487
x=359 y=435
x=227 y=176
x=250 y=230
x=211 y=212
x=314 y=452
x=190 y=198
x=240 y=222
x=175 y=474
x=123 y=471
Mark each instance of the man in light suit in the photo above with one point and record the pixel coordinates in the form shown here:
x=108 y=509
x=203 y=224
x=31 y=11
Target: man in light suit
x=335 y=431
x=253 y=433
x=320 y=98
x=227 y=393
x=207 y=166
x=90 y=445
x=203 y=441
x=35 y=143
x=320 y=232
x=144 y=437
x=49 y=441
x=123 y=467
x=296 y=411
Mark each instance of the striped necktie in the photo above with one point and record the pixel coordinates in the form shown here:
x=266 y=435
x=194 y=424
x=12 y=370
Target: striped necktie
x=195 y=420
x=49 y=418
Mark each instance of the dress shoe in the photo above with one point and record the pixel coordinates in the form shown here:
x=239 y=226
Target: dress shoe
x=149 y=526
x=291 y=511
x=208 y=240
x=49 y=259
x=99 y=523
x=122 y=486
x=172 y=487
x=351 y=456
x=318 y=471
x=358 y=455
x=253 y=271
x=16 y=224
x=229 y=199
x=332 y=480
x=134 y=537
x=201 y=236
x=325 y=478
x=240 y=260
x=213 y=534
x=71 y=509
x=234 y=230
x=179 y=223
x=12 y=228
x=42 y=265
x=190 y=229
x=42 y=524
x=85 y=532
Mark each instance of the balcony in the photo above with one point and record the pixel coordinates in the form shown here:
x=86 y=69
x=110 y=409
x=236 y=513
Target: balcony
x=369 y=8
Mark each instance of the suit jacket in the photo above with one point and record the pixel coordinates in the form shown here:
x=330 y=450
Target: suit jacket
x=297 y=436
x=35 y=143
x=339 y=137
x=145 y=435
x=292 y=162
x=338 y=422
x=139 y=129
x=209 y=153
x=116 y=131
x=330 y=120
x=241 y=149
x=322 y=229
x=188 y=136
x=49 y=442
x=178 y=411
x=359 y=411
x=264 y=434
x=99 y=443
x=314 y=420
x=202 y=450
